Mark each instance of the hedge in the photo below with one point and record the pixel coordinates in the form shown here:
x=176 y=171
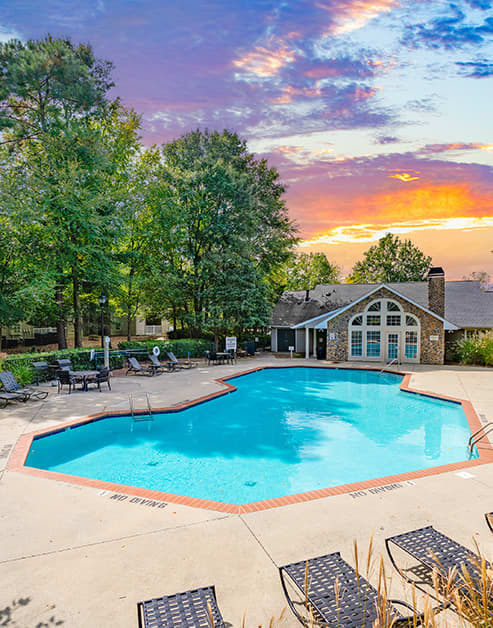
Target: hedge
x=196 y=347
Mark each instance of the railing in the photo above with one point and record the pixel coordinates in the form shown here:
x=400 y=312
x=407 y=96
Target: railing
x=153 y=330
x=481 y=433
x=140 y=417
x=389 y=364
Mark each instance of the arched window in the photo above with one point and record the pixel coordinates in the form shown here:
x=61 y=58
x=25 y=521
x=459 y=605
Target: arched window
x=384 y=331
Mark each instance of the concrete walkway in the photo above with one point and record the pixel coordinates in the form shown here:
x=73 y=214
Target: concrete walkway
x=85 y=557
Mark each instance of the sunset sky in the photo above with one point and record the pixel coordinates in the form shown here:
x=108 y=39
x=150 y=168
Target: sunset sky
x=377 y=113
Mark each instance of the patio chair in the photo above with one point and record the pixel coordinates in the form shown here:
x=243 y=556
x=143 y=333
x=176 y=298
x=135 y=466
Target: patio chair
x=65 y=378
x=10 y=385
x=41 y=371
x=134 y=366
x=211 y=356
x=160 y=366
x=5 y=397
x=183 y=364
x=103 y=377
x=437 y=552
x=65 y=364
x=190 y=609
x=338 y=596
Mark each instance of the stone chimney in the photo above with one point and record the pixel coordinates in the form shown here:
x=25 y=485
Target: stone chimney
x=436 y=290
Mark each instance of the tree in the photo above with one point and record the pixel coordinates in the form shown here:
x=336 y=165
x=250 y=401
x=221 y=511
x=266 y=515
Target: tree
x=478 y=275
x=219 y=222
x=70 y=147
x=391 y=260
x=304 y=271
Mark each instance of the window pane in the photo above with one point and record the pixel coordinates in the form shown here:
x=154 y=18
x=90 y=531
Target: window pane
x=392 y=346
x=356 y=343
x=375 y=307
x=373 y=319
x=373 y=344
x=358 y=320
x=392 y=307
x=393 y=320
x=411 y=349
x=411 y=321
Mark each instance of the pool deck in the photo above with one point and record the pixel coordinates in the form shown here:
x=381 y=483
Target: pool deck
x=85 y=555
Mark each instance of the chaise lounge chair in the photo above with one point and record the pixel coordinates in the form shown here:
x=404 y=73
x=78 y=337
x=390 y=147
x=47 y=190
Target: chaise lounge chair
x=5 y=397
x=184 y=364
x=489 y=520
x=134 y=366
x=10 y=385
x=437 y=552
x=338 y=596
x=190 y=609
x=161 y=366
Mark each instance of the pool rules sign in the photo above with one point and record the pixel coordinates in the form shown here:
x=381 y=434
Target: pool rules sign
x=231 y=343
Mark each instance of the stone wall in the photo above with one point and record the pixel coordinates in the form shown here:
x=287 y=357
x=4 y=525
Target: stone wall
x=432 y=351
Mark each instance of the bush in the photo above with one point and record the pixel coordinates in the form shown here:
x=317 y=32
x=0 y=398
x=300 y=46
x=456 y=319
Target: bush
x=195 y=346
x=476 y=350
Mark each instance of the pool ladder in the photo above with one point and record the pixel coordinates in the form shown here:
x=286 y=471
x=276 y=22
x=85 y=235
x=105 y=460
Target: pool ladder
x=140 y=417
x=478 y=435
x=393 y=361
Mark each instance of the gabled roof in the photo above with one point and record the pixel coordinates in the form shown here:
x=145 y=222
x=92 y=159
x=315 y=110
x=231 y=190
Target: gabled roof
x=466 y=305
x=329 y=316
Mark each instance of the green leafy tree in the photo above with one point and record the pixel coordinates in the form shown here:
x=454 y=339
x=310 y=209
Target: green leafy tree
x=222 y=222
x=391 y=260
x=307 y=270
x=69 y=147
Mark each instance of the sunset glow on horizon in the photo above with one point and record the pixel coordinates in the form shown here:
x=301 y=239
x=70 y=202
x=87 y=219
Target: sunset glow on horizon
x=376 y=113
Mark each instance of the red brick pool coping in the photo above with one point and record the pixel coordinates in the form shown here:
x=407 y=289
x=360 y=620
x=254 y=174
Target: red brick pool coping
x=19 y=455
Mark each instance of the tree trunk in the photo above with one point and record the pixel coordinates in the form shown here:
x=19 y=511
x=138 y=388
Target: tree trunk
x=77 y=312
x=129 y=303
x=0 y=337
x=60 y=324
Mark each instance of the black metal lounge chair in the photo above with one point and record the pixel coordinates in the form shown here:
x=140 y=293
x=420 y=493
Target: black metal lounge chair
x=10 y=385
x=190 y=609
x=437 y=552
x=134 y=366
x=340 y=597
x=489 y=520
x=5 y=397
x=160 y=366
x=183 y=364
x=103 y=377
x=211 y=356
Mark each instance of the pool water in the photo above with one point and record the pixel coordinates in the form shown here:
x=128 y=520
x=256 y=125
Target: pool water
x=284 y=431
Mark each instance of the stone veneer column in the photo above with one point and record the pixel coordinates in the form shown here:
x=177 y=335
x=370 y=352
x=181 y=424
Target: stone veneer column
x=436 y=290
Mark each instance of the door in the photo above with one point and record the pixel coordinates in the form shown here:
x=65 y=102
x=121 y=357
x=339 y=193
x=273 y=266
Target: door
x=392 y=346
x=285 y=339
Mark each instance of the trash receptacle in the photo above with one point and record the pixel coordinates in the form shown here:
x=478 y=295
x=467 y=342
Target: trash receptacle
x=321 y=352
x=250 y=347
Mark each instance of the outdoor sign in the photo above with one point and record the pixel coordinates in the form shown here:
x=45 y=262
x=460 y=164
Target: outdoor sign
x=290 y=348
x=231 y=343
x=433 y=338
x=332 y=336
x=156 y=351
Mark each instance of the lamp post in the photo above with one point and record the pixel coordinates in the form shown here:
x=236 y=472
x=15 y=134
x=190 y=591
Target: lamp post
x=102 y=301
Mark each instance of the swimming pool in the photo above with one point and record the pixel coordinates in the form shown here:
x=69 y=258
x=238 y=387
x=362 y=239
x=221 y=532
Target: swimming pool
x=283 y=431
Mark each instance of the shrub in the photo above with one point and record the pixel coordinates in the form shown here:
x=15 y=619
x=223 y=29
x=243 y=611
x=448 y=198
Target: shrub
x=195 y=346
x=476 y=350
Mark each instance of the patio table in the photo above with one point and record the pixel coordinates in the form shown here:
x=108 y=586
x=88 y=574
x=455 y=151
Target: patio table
x=84 y=376
x=225 y=356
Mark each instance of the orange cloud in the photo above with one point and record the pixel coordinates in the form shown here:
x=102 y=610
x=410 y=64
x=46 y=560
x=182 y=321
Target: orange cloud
x=288 y=93
x=373 y=232
x=268 y=60
x=403 y=176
